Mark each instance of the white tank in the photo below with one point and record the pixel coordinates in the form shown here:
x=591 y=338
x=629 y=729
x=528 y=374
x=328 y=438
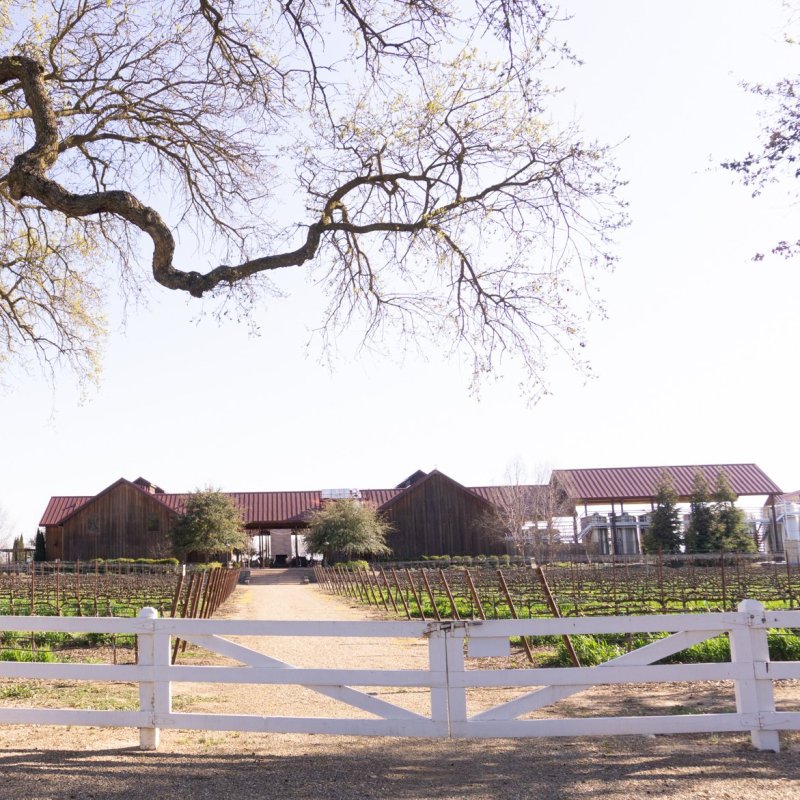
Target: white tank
x=791 y=521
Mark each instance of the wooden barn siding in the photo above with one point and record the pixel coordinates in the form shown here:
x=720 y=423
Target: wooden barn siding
x=439 y=518
x=53 y=542
x=122 y=517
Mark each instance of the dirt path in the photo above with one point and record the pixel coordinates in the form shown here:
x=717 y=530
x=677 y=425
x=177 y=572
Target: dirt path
x=58 y=764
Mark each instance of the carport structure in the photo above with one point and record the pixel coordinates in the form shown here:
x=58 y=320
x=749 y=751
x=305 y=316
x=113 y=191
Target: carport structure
x=616 y=486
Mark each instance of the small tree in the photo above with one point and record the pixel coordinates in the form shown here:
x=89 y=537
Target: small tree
x=699 y=533
x=523 y=514
x=19 y=549
x=730 y=530
x=664 y=533
x=211 y=524
x=348 y=527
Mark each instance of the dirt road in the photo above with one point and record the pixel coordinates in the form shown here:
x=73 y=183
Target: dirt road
x=48 y=763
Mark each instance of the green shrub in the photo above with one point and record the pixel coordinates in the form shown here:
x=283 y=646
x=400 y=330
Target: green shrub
x=714 y=650
x=26 y=655
x=783 y=645
x=591 y=651
x=355 y=564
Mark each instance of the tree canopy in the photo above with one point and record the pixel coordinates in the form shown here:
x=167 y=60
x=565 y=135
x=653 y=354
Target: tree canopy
x=402 y=154
x=348 y=527
x=210 y=525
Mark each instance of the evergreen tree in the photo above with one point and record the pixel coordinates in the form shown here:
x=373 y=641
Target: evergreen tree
x=730 y=531
x=699 y=533
x=39 y=550
x=664 y=532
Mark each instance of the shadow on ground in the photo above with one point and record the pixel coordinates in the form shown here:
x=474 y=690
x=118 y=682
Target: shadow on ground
x=197 y=767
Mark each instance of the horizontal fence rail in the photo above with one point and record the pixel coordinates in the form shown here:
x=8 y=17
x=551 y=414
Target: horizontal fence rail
x=446 y=676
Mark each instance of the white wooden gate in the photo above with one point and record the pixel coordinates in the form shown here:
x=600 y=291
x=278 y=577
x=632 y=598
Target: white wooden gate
x=447 y=677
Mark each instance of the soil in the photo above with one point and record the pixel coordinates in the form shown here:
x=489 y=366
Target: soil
x=56 y=763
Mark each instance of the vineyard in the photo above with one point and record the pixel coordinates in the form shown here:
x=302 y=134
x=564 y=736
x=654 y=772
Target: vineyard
x=657 y=586
x=103 y=589
x=649 y=586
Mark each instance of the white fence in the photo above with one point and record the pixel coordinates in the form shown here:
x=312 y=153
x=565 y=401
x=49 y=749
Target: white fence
x=446 y=676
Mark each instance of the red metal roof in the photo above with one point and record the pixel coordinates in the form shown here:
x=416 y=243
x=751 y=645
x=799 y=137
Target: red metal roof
x=292 y=509
x=259 y=509
x=508 y=496
x=60 y=507
x=504 y=495
x=640 y=483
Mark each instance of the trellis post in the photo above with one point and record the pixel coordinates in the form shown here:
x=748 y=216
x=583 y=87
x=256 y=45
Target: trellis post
x=754 y=695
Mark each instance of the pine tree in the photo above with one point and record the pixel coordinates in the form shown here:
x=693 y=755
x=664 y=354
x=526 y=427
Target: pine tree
x=39 y=550
x=730 y=531
x=664 y=532
x=699 y=533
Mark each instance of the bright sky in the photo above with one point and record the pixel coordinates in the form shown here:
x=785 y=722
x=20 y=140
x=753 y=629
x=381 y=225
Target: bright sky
x=694 y=363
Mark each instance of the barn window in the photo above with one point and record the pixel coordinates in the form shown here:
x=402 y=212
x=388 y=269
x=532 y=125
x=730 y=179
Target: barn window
x=92 y=524
x=153 y=523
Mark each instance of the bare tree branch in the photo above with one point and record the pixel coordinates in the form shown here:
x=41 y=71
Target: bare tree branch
x=437 y=196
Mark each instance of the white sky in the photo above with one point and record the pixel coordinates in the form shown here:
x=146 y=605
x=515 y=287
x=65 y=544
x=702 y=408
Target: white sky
x=694 y=363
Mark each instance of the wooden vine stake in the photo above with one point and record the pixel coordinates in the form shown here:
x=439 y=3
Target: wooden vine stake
x=556 y=612
x=513 y=609
x=415 y=595
x=453 y=606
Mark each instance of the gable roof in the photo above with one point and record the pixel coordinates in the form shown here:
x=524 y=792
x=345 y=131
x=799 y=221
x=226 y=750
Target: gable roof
x=81 y=503
x=608 y=485
x=420 y=482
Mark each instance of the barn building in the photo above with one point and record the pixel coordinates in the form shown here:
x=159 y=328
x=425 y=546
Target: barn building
x=431 y=513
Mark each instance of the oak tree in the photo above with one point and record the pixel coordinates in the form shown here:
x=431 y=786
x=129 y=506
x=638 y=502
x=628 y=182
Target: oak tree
x=211 y=525
x=401 y=154
x=775 y=157
x=347 y=527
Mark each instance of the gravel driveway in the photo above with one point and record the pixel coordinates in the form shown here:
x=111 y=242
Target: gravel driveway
x=58 y=763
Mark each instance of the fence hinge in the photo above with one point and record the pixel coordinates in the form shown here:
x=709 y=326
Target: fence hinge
x=450 y=625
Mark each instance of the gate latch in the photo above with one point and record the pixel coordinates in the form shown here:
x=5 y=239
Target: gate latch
x=450 y=625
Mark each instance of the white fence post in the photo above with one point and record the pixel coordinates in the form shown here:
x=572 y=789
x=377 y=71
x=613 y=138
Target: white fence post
x=437 y=663
x=753 y=695
x=456 y=690
x=155 y=697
